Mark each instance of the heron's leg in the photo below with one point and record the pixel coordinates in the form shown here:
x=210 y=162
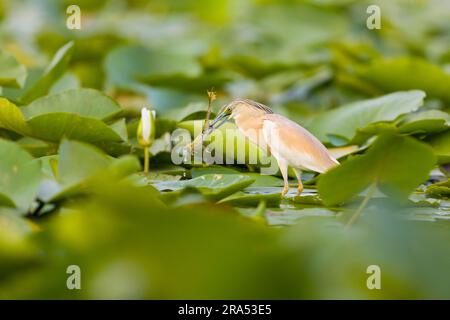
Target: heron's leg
x=298 y=174
x=282 y=164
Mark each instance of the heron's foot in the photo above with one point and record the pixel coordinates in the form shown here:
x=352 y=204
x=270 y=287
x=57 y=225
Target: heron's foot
x=299 y=189
x=285 y=190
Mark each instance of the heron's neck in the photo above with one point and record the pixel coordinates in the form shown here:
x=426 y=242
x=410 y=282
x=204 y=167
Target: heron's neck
x=248 y=122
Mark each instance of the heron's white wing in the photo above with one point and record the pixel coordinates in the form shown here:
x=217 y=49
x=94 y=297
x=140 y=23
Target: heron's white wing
x=296 y=145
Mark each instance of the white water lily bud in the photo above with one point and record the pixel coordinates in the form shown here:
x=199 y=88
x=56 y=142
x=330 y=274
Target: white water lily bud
x=146 y=128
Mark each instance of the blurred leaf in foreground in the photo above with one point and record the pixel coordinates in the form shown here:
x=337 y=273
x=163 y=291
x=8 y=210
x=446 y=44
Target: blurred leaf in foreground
x=425 y=122
x=75 y=114
x=346 y=120
x=213 y=186
x=19 y=176
x=40 y=84
x=409 y=73
x=128 y=246
x=79 y=165
x=441 y=146
x=395 y=164
x=12 y=74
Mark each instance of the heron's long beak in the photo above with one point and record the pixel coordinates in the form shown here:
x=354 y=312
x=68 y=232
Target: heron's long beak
x=217 y=122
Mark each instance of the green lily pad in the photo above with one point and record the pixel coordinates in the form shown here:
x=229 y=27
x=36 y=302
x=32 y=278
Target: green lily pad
x=201 y=171
x=389 y=163
x=55 y=126
x=213 y=186
x=307 y=199
x=439 y=189
x=227 y=153
x=124 y=65
x=260 y=180
x=346 y=120
x=53 y=72
x=66 y=82
x=56 y=117
x=441 y=146
x=39 y=83
x=83 y=102
x=244 y=199
x=12 y=73
x=19 y=176
x=80 y=164
x=406 y=73
x=430 y=121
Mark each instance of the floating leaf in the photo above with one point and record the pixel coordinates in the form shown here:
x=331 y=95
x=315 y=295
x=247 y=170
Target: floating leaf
x=12 y=73
x=74 y=114
x=260 y=180
x=439 y=189
x=396 y=164
x=55 y=126
x=430 y=121
x=11 y=117
x=406 y=73
x=213 y=186
x=227 y=150
x=346 y=120
x=124 y=65
x=53 y=72
x=290 y=217
x=19 y=176
x=83 y=102
x=78 y=165
x=247 y=199
x=441 y=146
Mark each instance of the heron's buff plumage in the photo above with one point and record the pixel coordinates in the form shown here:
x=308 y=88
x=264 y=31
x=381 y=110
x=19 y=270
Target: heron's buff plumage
x=250 y=122
x=289 y=143
x=299 y=146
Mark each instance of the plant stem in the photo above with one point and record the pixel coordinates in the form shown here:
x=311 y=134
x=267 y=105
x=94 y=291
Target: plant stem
x=211 y=98
x=363 y=204
x=146 y=160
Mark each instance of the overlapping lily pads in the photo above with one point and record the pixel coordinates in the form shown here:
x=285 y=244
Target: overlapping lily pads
x=395 y=164
x=19 y=176
x=78 y=165
x=345 y=122
x=75 y=114
x=12 y=73
x=213 y=186
x=39 y=82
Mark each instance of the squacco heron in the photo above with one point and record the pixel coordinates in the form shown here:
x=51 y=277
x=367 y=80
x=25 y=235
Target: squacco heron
x=289 y=143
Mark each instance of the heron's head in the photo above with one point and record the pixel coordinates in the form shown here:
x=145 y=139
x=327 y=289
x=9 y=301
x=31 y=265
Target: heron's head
x=238 y=108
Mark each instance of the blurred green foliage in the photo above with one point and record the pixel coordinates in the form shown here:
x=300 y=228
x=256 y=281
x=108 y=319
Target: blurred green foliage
x=71 y=187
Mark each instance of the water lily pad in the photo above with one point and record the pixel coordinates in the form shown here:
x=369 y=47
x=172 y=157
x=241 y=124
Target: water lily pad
x=83 y=102
x=441 y=146
x=407 y=73
x=42 y=82
x=213 y=186
x=290 y=216
x=78 y=165
x=12 y=73
x=389 y=163
x=124 y=65
x=19 y=176
x=430 y=121
x=346 y=120
x=75 y=114
x=439 y=189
